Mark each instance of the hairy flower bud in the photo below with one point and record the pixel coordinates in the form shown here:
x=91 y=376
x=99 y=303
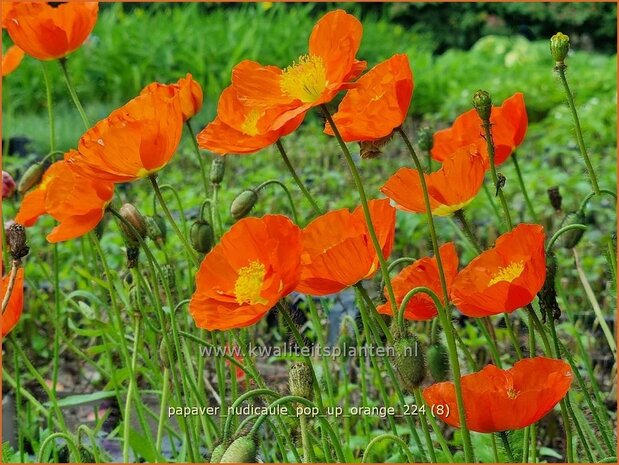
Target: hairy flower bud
x=8 y=185
x=300 y=380
x=559 y=47
x=425 y=139
x=132 y=216
x=218 y=169
x=548 y=294
x=555 y=198
x=242 y=450
x=16 y=241
x=218 y=452
x=202 y=236
x=373 y=148
x=408 y=360
x=156 y=229
x=483 y=104
x=243 y=203
x=30 y=178
x=438 y=362
x=571 y=238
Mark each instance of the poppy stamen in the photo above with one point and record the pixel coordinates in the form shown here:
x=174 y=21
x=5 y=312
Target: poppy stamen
x=249 y=284
x=507 y=273
x=306 y=79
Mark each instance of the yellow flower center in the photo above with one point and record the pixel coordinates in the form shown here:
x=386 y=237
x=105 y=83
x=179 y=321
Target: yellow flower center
x=305 y=80
x=249 y=284
x=512 y=393
x=508 y=273
x=250 y=123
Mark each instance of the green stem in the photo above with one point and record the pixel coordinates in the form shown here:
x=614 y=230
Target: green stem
x=196 y=149
x=459 y=215
x=305 y=441
x=506 y=446
x=70 y=444
x=562 y=231
x=444 y=315
x=76 y=100
x=523 y=188
x=164 y=403
x=296 y=178
x=130 y=390
x=390 y=437
x=560 y=69
x=166 y=210
x=288 y=195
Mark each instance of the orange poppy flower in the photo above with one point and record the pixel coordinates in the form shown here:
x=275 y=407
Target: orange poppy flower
x=503 y=400
x=423 y=272
x=377 y=104
x=13 y=311
x=256 y=263
x=77 y=202
x=235 y=129
x=11 y=59
x=509 y=125
x=186 y=89
x=134 y=141
x=338 y=250
x=47 y=32
x=504 y=278
x=451 y=188
x=314 y=79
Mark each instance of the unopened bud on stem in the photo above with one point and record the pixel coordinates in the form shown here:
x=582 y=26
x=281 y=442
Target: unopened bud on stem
x=243 y=203
x=559 y=47
x=132 y=216
x=483 y=104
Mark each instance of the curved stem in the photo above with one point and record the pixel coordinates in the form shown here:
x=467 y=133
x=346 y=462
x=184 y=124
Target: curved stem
x=196 y=149
x=70 y=444
x=396 y=262
x=166 y=210
x=562 y=231
x=287 y=191
x=585 y=201
x=444 y=315
x=296 y=178
x=389 y=437
x=560 y=69
x=412 y=293
x=247 y=395
x=76 y=100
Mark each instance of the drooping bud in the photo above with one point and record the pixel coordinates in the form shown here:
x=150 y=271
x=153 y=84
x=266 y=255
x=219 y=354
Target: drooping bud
x=202 y=236
x=571 y=238
x=218 y=452
x=559 y=47
x=132 y=216
x=8 y=185
x=483 y=104
x=300 y=380
x=30 y=178
x=408 y=360
x=425 y=139
x=555 y=198
x=218 y=169
x=243 y=203
x=242 y=450
x=548 y=294
x=16 y=241
x=438 y=362
x=373 y=148
x=154 y=231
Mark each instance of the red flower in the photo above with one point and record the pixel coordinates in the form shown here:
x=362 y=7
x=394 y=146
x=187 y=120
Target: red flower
x=338 y=250
x=423 y=272
x=503 y=400
x=377 y=104
x=509 y=125
x=504 y=278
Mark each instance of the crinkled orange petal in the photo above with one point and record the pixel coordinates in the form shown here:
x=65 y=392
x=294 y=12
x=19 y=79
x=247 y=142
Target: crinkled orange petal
x=377 y=104
x=47 y=32
x=11 y=59
x=31 y=208
x=13 y=311
x=476 y=295
x=74 y=226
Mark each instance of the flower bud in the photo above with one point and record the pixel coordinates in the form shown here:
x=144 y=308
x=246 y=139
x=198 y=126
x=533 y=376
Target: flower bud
x=571 y=238
x=548 y=294
x=373 y=148
x=408 y=360
x=559 y=47
x=202 y=236
x=425 y=139
x=30 y=178
x=154 y=229
x=16 y=241
x=300 y=380
x=218 y=452
x=133 y=255
x=242 y=450
x=168 y=277
x=483 y=104
x=555 y=198
x=132 y=216
x=218 y=169
x=438 y=362
x=8 y=185
x=243 y=203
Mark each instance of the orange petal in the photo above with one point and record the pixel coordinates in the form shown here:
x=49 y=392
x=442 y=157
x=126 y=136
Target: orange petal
x=13 y=311
x=11 y=59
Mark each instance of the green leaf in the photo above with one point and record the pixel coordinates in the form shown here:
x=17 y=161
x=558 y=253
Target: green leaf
x=81 y=399
x=140 y=445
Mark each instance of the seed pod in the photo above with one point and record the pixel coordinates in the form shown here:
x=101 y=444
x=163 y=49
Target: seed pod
x=300 y=380
x=218 y=169
x=243 y=203
x=408 y=360
x=425 y=139
x=133 y=255
x=218 y=452
x=16 y=240
x=555 y=198
x=132 y=216
x=202 y=236
x=165 y=359
x=559 y=47
x=483 y=104
x=570 y=239
x=438 y=362
x=31 y=177
x=242 y=450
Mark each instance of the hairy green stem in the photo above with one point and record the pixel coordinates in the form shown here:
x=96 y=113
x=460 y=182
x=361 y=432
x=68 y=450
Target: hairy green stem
x=74 y=97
